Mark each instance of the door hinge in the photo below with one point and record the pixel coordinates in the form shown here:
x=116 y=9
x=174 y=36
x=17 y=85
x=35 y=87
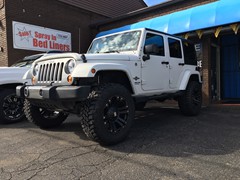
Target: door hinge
x=143 y=82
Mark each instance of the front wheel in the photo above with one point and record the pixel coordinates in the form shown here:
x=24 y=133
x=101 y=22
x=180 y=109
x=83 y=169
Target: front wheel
x=11 y=107
x=191 y=101
x=42 y=117
x=108 y=114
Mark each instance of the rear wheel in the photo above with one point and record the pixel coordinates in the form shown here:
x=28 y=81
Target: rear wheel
x=42 y=117
x=11 y=106
x=108 y=114
x=191 y=101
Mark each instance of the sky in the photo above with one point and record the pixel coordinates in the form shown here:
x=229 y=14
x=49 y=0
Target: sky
x=153 y=2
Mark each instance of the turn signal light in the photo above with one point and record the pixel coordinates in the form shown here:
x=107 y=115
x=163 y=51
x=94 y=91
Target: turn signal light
x=70 y=79
x=93 y=70
x=34 y=80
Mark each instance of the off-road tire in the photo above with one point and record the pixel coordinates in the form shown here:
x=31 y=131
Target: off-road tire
x=43 y=118
x=108 y=114
x=11 y=107
x=191 y=101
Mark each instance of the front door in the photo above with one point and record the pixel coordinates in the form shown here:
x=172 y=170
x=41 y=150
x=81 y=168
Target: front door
x=155 y=71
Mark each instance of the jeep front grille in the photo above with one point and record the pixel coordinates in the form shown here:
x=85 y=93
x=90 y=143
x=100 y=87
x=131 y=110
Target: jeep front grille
x=50 y=72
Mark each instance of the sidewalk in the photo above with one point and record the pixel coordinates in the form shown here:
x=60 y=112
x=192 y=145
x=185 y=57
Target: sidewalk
x=225 y=107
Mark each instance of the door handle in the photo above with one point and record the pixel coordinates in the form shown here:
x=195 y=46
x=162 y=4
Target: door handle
x=181 y=64
x=165 y=62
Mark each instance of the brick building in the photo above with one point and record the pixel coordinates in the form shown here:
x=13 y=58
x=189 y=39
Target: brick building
x=62 y=18
x=212 y=24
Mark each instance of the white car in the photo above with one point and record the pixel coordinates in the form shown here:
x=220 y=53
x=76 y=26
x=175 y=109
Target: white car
x=119 y=73
x=11 y=106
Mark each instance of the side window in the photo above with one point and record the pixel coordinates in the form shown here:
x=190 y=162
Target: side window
x=174 y=48
x=157 y=40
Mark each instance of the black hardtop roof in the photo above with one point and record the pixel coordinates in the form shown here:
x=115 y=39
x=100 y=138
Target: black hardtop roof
x=167 y=34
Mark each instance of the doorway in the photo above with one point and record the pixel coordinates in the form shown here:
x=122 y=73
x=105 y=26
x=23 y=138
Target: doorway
x=230 y=67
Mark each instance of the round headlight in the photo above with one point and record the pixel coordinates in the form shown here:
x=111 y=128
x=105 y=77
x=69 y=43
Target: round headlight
x=35 y=69
x=70 y=66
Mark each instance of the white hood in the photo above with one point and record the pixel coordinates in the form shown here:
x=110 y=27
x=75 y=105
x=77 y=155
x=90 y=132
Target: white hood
x=92 y=57
x=111 y=56
x=10 y=75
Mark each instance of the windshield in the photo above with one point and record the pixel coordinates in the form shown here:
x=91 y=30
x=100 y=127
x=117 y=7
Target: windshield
x=127 y=41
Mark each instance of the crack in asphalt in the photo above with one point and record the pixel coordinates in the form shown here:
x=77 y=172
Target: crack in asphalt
x=119 y=158
x=112 y=158
x=2 y=172
x=45 y=166
x=39 y=165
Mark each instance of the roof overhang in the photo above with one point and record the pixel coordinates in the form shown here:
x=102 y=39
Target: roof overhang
x=213 y=15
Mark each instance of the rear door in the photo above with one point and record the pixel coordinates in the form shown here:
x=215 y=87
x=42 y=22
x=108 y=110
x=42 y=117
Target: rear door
x=176 y=61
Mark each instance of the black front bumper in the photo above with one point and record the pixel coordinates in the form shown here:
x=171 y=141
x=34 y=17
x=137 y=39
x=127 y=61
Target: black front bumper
x=55 y=93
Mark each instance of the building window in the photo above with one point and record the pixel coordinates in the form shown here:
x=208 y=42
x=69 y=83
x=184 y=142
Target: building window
x=189 y=53
x=157 y=40
x=174 y=48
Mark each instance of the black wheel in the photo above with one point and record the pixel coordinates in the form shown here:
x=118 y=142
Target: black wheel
x=140 y=106
x=42 y=117
x=190 y=103
x=11 y=107
x=108 y=114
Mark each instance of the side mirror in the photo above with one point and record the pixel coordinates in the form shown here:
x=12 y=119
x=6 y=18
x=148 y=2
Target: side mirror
x=146 y=57
x=150 y=49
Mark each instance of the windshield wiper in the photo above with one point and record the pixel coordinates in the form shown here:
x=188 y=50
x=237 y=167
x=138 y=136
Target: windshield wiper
x=112 y=51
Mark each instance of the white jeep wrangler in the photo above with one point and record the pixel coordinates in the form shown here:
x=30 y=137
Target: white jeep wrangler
x=120 y=72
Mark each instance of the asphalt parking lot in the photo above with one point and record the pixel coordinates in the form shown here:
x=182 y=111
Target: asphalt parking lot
x=163 y=144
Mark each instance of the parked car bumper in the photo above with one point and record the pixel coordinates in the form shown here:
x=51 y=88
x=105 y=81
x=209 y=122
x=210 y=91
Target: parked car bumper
x=60 y=93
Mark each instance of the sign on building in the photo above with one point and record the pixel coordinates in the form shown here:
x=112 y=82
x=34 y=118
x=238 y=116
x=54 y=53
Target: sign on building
x=198 y=48
x=37 y=38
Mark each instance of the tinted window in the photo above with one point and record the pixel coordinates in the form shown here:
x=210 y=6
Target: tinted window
x=174 y=48
x=158 y=40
